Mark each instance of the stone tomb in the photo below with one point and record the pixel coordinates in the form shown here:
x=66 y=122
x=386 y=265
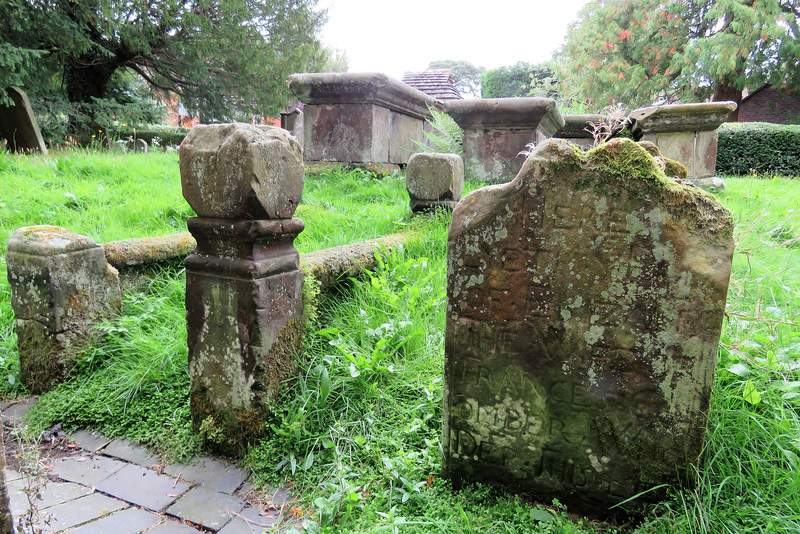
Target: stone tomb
x=585 y=302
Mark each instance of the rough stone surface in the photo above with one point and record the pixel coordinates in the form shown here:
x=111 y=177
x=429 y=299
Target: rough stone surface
x=19 y=126
x=240 y=171
x=125 y=450
x=88 y=440
x=128 y=521
x=585 y=302
x=210 y=472
x=714 y=184
x=61 y=286
x=142 y=487
x=243 y=283
x=86 y=470
x=52 y=494
x=79 y=511
x=206 y=507
x=172 y=527
x=250 y=521
x=496 y=130
x=434 y=180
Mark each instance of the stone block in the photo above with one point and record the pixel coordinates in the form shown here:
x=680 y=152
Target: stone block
x=405 y=137
x=347 y=133
x=61 y=285
x=142 y=487
x=18 y=124
x=240 y=171
x=585 y=303
x=496 y=130
x=204 y=506
x=434 y=180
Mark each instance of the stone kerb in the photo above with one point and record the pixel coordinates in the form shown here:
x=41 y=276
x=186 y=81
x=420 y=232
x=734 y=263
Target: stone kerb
x=585 y=303
x=18 y=124
x=360 y=117
x=496 y=130
x=243 y=282
x=434 y=181
x=60 y=285
x=685 y=132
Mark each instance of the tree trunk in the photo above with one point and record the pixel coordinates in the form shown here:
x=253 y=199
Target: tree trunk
x=86 y=78
x=725 y=92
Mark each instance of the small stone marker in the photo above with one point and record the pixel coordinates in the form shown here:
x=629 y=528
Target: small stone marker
x=585 y=302
x=434 y=180
x=61 y=286
x=18 y=124
x=243 y=284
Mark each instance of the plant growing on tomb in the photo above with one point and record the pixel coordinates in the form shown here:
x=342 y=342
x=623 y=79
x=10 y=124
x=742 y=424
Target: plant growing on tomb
x=610 y=125
x=447 y=137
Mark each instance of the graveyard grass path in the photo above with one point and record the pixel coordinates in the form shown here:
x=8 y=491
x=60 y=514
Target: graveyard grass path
x=95 y=485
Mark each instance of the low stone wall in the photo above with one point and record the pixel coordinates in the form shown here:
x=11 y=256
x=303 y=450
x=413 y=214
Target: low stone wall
x=135 y=260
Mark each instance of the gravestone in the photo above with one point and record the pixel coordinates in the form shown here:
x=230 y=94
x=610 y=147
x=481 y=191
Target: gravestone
x=434 y=181
x=685 y=132
x=585 y=302
x=18 y=124
x=496 y=130
x=243 y=283
x=61 y=285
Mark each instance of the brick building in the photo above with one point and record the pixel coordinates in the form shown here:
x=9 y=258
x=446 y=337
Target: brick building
x=768 y=104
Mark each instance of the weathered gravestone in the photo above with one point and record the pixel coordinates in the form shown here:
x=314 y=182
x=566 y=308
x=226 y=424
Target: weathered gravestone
x=243 y=284
x=585 y=301
x=434 y=181
x=18 y=124
x=61 y=285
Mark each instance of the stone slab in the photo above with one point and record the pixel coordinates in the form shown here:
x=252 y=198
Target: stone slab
x=128 y=521
x=88 y=440
x=143 y=487
x=80 y=511
x=18 y=124
x=172 y=527
x=251 y=521
x=54 y=493
x=17 y=410
x=210 y=472
x=206 y=507
x=86 y=470
x=130 y=452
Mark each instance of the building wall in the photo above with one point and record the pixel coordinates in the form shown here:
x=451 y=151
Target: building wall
x=770 y=105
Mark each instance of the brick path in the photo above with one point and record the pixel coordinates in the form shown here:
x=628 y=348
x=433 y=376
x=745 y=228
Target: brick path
x=113 y=486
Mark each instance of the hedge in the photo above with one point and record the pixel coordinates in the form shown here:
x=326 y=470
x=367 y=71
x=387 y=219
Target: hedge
x=167 y=136
x=760 y=148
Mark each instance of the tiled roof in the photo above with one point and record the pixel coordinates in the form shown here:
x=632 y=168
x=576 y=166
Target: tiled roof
x=437 y=83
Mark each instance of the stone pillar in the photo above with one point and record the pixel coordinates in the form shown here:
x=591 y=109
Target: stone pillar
x=243 y=283
x=360 y=117
x=578 y=130
x=18 y=124
x=585 y=304
x=685 y=132
x=434 y=181
x=292 y=121
x=61 y=286
x=496 y=130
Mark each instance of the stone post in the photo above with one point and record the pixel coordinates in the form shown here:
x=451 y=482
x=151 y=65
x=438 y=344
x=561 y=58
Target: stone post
x=243 y=283
x=18 y=124
x=685 y=132
x=360 y=117
x=292 y=121
x=496 y=130
x=61 y=285
x=585 y=304
x=434 y=181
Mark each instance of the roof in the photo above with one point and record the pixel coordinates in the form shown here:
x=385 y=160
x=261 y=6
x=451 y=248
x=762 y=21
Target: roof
x=437 y=83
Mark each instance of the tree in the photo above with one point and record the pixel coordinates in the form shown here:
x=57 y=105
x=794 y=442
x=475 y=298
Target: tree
x=641 y=51
x=222 y=58
x=522 y=79
x=466 y=76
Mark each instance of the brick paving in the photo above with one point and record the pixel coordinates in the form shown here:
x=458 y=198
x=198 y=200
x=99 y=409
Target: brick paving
x=113 y=486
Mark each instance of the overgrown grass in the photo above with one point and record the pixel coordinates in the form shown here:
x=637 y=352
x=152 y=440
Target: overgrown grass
x=358 y=430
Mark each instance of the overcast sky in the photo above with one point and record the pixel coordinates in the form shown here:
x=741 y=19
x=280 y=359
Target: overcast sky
x=406 y=35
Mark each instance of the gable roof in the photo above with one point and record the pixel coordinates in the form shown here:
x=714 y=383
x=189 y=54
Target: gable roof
x=437 y=83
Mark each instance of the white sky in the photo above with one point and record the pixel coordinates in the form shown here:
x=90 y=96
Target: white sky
x=405 y=35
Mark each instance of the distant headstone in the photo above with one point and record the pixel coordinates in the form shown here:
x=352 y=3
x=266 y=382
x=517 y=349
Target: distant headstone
x=292 y=121
x=18 y=124
x=243 y=283
x=685 y=132
x=496 y=130
x=577 y=129
x=434 y=180
x=585 y=303
x=61 y=286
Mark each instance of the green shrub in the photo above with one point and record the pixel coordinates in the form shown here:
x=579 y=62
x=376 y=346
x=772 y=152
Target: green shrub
x=759 y=148
x=166 y=136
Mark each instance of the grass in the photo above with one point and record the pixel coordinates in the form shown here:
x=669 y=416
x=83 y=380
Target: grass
x=358 y=430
